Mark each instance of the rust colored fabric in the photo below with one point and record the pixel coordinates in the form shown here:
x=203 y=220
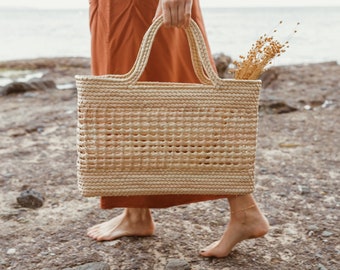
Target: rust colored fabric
x=117 y=28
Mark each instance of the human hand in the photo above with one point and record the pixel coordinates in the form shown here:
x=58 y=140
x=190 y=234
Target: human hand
x=176 y=13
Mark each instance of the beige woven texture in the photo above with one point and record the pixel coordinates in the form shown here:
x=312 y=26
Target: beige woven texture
x=151 y=138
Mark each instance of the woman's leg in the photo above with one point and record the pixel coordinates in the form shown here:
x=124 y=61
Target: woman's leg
x=246 y=222
x=132 y=222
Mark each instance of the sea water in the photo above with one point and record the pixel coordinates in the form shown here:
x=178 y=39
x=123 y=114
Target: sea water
x=30 y=33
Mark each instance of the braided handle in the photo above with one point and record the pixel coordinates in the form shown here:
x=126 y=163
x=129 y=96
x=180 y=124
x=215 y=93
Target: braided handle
x=199 y=55
x=195 y=35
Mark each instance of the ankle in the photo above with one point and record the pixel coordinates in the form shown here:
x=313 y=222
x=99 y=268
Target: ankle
x=242 y=209
x=137 y=214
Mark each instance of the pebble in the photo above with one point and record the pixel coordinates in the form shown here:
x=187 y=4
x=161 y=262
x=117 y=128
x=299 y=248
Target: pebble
x=11 y=251
x=276 y=107
x=177 y=264
x=91 y=266
x=115 y=243
x=263 y=170
x=34 y=128
x=304 y=190
x=321 y=267
x=326 y=233
x=313 y=228
x=30 y=199
x=319 y=255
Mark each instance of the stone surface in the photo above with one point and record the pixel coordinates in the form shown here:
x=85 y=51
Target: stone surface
x=297 y=148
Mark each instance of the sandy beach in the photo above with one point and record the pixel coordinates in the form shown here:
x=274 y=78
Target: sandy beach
x=297 y=179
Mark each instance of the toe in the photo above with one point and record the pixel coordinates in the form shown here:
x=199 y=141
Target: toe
x=94 y=233
x=91 y=231
x=91 y=234
x=206 y=253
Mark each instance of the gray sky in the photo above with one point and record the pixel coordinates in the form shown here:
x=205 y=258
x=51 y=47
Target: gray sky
x=204 y=3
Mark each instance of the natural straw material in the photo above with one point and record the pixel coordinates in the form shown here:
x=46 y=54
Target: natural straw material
x=152 y=138
x=261 y=54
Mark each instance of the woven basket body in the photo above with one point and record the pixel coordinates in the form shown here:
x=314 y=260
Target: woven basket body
x=151 y=138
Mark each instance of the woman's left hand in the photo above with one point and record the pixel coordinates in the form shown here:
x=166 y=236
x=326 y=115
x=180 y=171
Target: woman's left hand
x=176 y=13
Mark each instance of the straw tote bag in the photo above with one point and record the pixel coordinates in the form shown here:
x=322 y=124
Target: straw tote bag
x=154 y=138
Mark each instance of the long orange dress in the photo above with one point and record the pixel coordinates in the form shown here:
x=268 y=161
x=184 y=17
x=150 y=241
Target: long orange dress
x=117 y=28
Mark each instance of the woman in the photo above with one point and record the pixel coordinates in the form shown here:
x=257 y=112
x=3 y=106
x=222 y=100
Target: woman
x=117 y=28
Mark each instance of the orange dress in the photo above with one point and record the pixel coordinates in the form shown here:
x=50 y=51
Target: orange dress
x=117 y=28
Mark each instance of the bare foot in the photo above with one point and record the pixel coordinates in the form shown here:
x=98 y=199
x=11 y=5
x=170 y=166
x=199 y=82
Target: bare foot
x=132 y=222
x=243 y=225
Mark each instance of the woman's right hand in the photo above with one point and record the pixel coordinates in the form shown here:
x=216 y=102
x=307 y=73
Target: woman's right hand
x=176 y=13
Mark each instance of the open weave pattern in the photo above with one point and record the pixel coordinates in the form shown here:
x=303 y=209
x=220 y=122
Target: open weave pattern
x=151 y=138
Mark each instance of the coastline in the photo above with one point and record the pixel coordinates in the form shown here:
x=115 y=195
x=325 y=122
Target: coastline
x=297 y=172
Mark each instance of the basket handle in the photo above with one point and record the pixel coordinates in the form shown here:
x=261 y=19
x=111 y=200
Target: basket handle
x=199 y=55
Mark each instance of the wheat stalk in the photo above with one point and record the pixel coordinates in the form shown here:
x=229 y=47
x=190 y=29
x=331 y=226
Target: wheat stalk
x=261 y=54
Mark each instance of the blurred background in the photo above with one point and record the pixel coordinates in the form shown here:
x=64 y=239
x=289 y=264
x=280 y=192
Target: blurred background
x=37 y=28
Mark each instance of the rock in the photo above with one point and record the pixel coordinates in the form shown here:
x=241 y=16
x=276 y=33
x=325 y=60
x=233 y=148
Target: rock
x=42 y=84
x=288 y=145
x=313 y=228
x=30 y=128
x=304 y=190
x=318 y=255
x=30 y=199
x=91 y=266
x=17 y=88
x=222 y=63
x=326 y=233
x=23 y=87
x=275 y=107
x=321 y=267
x=11 y=251
x=177 y=264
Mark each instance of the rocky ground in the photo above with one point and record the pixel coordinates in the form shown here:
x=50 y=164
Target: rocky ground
x=298 y=171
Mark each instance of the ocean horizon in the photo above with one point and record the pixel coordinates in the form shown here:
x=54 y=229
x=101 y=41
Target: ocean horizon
x=34 y=33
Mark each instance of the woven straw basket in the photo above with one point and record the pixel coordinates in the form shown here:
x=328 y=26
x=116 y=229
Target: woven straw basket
x=153 y=138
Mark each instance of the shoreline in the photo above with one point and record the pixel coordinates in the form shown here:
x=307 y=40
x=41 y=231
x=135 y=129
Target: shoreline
x=82 y=61
x=55 y=68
